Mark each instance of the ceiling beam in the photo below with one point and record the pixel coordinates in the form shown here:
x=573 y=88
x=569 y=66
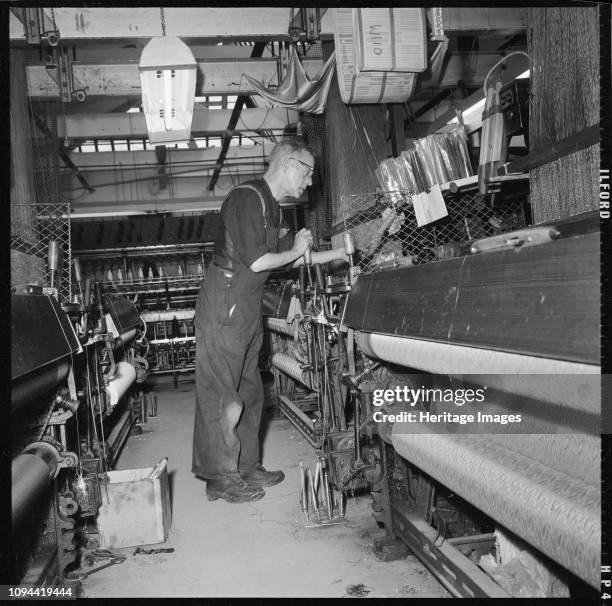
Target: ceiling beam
x=430 y=104
x=464 y=19
x=128 y=185
x=113 y=160
x=114 y=203
x=100 y=105
x=215 y=77
x=225 y=77
x=258 y=50
x=81 y=23
x=470 y=68
x=205 y=122
x=134 y=189
x=114 y=208
x=247 y=23
x=155 y=205
x=126 y=174
x=118 y=51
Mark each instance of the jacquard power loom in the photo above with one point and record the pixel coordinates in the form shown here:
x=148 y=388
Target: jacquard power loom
x=77 y=369
x=490 y=511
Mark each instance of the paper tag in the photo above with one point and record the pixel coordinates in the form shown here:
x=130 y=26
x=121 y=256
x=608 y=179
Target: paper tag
x=429 y=207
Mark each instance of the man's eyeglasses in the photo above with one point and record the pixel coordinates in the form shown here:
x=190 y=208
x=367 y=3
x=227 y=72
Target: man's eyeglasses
x=310 y=168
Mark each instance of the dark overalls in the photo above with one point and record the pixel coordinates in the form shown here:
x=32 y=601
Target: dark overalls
x=229 y=335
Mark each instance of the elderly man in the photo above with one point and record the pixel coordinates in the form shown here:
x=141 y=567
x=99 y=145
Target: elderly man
x=252 y=240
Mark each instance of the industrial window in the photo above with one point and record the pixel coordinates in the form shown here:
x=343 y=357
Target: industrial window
x=217 y=101
x=86 y=146
x=201 y=142
x=103 y=145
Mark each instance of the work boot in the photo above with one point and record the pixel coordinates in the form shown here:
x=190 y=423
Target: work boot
x=258 y=476
x=233 y=489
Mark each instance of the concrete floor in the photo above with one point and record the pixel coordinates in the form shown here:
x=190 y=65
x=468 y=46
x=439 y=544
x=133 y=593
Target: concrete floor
x=259 y=549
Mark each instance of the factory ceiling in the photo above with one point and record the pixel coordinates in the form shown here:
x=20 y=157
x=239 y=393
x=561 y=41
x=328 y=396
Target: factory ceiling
x=102 y=47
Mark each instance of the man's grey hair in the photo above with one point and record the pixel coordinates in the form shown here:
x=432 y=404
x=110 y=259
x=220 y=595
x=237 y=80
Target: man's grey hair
x=285 y=148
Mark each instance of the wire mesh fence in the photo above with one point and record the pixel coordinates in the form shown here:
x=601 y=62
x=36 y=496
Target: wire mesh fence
x=33 y=226
x=38 y=213
x=386 y=234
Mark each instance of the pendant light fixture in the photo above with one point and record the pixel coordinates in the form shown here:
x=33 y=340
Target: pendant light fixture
x=167 y=79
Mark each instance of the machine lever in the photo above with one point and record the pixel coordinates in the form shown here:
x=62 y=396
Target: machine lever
x=308 y=263
x=79 y=576
x=53 y=260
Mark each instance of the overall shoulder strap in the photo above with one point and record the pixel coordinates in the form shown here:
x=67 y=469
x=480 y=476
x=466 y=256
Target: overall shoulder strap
x=263 y=203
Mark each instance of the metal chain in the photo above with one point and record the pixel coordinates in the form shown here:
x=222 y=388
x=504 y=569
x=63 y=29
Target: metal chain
x=163 y=20
x=59 y=58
